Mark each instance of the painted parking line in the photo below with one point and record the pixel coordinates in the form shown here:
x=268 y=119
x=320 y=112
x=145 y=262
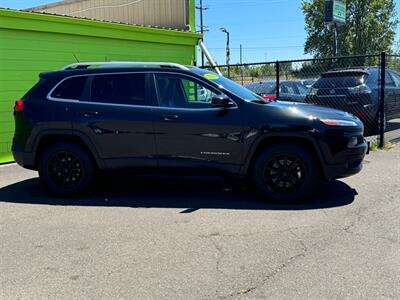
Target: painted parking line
x=8 y=165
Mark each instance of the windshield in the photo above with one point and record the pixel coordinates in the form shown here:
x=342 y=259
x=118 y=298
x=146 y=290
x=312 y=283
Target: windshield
x=228 y=85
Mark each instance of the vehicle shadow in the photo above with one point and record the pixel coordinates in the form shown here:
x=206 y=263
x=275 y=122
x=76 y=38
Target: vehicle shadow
x=189 y=194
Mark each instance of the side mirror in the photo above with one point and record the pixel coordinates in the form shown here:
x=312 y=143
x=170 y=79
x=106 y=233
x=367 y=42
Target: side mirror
x=222 y=101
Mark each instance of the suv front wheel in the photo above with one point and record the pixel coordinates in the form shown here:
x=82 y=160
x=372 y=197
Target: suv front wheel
x=66 y=169
x=285 y=172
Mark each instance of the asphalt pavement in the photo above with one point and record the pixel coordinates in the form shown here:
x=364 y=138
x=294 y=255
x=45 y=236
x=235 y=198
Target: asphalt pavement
x=196 y=238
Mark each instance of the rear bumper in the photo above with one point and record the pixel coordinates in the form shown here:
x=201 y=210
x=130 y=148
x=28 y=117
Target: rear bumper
x=24 y=159
x=353 y=163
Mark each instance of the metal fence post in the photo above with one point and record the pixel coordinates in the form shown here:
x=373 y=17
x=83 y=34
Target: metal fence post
x=277 y=78
x=382 y=101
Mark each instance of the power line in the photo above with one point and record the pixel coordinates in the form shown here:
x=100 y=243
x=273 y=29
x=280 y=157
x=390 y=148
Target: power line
x=266 y=22
x=246 y=3
x=259 y=48
x=261 y=38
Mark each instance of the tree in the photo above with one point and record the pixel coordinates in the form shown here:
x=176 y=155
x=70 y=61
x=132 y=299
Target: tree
x=254 y=72
x=369 y=29
x=396 y=49
x=312 y=69
x=235 y=70
x=285 y=70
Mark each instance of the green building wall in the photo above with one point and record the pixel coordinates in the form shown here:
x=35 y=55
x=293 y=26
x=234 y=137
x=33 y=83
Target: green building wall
x=33 y=43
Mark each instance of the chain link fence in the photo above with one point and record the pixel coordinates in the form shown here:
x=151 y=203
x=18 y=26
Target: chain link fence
x=392 y=100
x=367 y=86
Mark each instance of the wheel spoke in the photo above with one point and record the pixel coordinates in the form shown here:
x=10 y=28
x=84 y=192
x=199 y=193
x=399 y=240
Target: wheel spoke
x=65 y=169
x=286 y=161
x=284 y=173
x=294 y=164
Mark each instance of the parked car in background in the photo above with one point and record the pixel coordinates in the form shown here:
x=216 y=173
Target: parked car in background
x=357 y=90
x=308 y=82
x=288 y=90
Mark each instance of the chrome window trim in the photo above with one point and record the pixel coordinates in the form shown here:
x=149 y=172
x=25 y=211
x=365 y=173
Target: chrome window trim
x=49 y=97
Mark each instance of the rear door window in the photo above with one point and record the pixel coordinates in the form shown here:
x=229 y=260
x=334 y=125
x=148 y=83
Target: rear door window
x=127 y=89
x=70 y=89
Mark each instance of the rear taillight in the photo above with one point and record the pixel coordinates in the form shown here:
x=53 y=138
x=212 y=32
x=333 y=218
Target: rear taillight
x=19 y=105
x=269 y=97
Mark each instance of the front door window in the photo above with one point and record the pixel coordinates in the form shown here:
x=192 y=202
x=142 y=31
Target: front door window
x=179 y=92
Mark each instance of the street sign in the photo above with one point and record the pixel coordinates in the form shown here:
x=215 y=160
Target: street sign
x=339 y=12
x=335 y=12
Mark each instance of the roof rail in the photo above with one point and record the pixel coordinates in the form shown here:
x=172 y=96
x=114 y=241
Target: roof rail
x=116 y=64
x=351 y=68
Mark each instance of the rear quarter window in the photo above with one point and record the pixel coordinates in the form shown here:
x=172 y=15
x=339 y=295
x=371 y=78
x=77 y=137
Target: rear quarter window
x=70 y=89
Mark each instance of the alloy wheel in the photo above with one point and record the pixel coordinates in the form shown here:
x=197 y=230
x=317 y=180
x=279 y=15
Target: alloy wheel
x=65 y=169
x=284 y=174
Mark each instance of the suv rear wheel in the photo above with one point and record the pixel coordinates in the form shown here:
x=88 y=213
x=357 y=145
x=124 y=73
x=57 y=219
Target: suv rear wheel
x=66 y=169
x=285 y=172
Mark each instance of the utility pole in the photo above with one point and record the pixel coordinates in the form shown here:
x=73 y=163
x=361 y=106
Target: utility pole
x=241 y=62
x=201 y=8
x=228 y=50
x=241 y=54
x=335 y=43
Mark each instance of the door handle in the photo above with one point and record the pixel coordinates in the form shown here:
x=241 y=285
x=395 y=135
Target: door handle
x=169 y=117
x=89 y=114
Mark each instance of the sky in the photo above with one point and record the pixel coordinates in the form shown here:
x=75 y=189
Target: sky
x=268 y=30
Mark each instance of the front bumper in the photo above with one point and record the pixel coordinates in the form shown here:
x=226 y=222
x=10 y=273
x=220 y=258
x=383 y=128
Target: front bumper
x=351 y=162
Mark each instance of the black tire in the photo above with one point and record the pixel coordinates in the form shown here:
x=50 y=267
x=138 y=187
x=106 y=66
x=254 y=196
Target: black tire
x=285 y=173
x=66 y=169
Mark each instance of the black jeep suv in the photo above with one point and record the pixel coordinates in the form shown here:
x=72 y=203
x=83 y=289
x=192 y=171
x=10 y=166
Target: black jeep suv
x=140 y=116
